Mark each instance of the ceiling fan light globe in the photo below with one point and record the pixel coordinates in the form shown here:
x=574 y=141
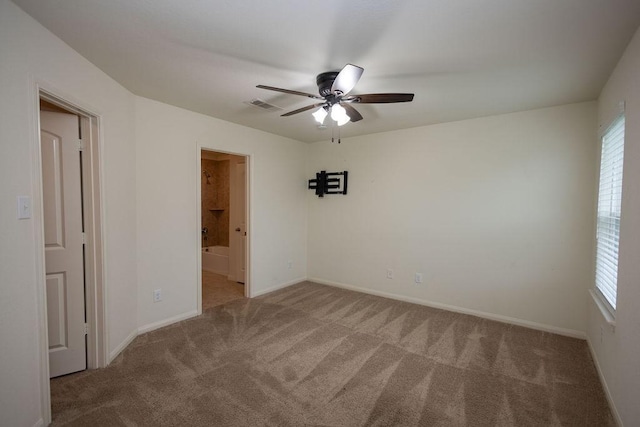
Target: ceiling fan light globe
x=339 y=114
x=343 y=120
x=320 y=115
x=337 y=110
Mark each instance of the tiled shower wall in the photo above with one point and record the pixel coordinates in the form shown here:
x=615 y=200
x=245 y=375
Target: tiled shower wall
x=215 y=202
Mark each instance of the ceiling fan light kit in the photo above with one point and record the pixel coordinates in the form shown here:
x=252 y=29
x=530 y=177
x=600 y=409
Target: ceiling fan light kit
x=334 y=88
x=320 y=115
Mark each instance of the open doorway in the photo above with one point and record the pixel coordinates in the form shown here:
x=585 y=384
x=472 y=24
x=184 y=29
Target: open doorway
x=223 y=233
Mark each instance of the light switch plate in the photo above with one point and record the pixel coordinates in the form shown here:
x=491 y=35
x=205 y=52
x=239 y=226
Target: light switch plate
x=24 y=207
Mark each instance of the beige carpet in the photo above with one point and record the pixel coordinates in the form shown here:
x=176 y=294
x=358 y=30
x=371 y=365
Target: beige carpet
x=217 y=290
x=321 y=356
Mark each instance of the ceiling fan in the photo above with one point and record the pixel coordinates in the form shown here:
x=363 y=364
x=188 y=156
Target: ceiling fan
x=334 y=88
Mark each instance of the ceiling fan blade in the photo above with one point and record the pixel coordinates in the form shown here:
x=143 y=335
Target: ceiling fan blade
x=381 y=98
x=353 y=114
x=291 y=92
x=347 y=79
x=300 y=110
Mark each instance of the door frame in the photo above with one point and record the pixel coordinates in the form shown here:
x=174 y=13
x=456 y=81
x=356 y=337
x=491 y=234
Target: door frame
x=93 y=208
x=233 y=203
x=247 y=209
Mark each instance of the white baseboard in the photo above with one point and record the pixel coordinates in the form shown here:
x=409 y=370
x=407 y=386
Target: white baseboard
x=166 y=322
x=184 y=316
x=280 y=286
x=605 y=387
x=148 y=328
x=116 y=351
x=497 y=317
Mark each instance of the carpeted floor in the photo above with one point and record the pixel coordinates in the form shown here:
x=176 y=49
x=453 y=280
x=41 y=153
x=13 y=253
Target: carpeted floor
x=317 y=355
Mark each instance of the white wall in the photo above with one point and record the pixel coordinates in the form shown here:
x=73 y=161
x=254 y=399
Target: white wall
x=168 y=234
x=29 y=53
x=496 y=213
x=618 y=352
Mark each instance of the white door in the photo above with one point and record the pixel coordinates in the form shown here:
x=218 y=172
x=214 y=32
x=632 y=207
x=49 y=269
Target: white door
x=238 y=223
x=62 y=204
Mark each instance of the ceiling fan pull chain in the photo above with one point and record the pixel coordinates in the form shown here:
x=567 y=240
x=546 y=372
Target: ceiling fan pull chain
x=333 y=132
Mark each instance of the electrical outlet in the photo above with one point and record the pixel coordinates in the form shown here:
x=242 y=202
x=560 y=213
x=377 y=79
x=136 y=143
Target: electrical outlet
x=418 y=278
x=157 y=295
x=289 y=264
x=389 y=273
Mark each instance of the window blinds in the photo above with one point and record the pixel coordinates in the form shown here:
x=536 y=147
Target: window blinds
x=609 y=204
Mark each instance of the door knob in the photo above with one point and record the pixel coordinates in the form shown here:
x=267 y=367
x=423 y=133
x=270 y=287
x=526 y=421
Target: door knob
x=238 y=229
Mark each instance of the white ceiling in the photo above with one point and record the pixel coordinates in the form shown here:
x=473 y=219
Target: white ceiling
x=461 y=58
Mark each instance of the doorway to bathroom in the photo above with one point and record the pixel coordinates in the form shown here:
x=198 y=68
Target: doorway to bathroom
x=223 y=236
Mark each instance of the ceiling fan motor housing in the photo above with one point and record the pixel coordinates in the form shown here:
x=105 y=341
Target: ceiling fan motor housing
x=325 y=81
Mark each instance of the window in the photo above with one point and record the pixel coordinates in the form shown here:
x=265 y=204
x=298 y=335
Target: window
x=609 y=203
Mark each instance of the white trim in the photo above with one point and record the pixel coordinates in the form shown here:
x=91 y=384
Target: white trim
x=608 y=211
x=497 y=317
x=604 y=310
x=619 y=110
x=280 y=286
x=39 y=423
x=248 y=215
x=93 y=271
x=93 y=211
x=605 y=386
x=96 y=307
x=116 y=351
x=148 y=328
x=38 y=238
x=166 y=322
x=198 y=229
